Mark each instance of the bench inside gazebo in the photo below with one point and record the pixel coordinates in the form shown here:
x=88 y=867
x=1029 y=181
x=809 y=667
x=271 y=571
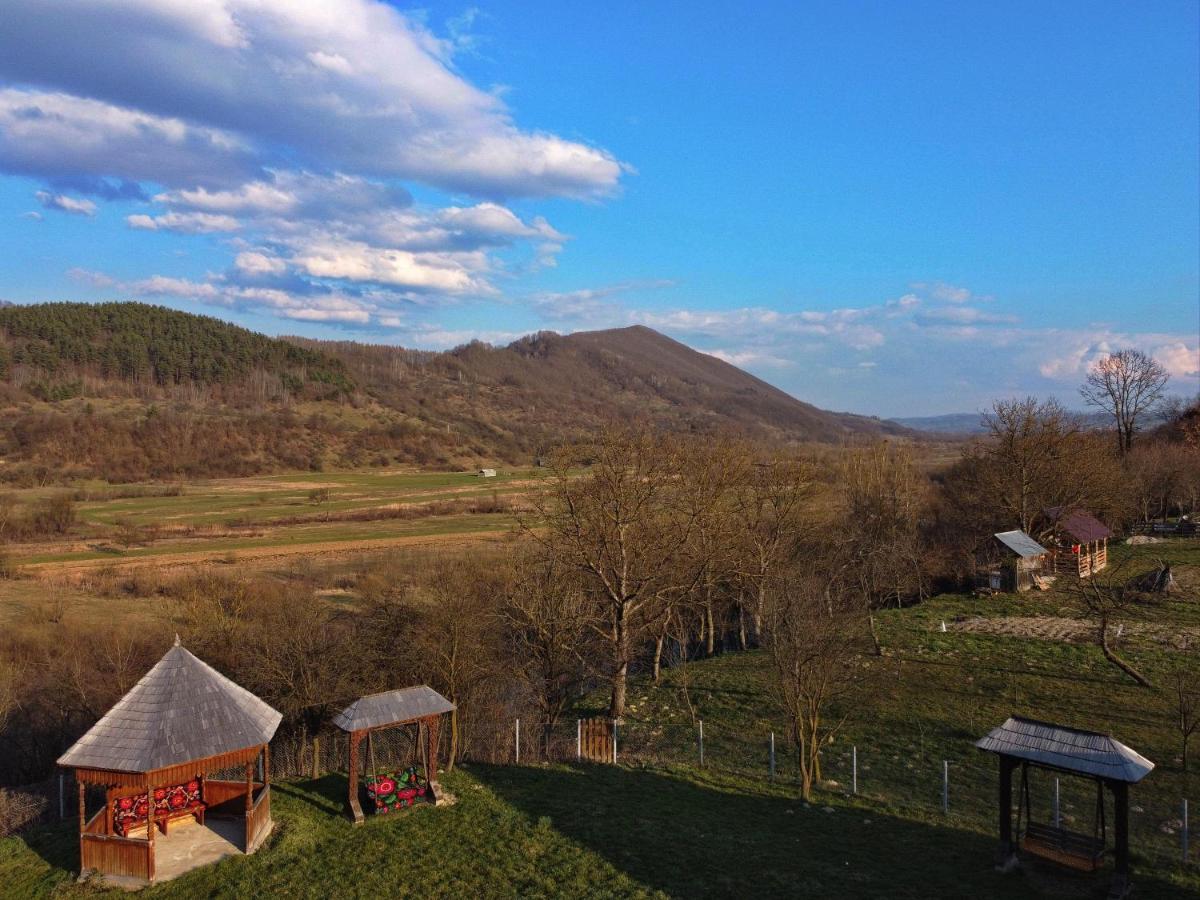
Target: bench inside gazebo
x=1025 y=744
x=183 y=766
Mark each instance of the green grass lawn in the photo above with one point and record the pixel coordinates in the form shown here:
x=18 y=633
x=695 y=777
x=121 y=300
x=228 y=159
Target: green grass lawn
x=591 y=831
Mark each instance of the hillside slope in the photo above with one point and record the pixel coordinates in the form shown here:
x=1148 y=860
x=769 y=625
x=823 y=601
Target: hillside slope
x=126 y=391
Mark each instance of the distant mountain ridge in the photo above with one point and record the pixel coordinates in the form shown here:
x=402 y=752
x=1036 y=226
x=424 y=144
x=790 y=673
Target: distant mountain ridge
x=129 y=391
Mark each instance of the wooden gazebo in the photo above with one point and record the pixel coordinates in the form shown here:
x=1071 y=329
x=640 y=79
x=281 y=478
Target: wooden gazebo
x=153 y=755
x=1026 y=743
x=421 y=707
x=1079 y=541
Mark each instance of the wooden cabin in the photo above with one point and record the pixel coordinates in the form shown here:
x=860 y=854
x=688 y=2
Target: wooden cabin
x=176 y=775
x=1022 y=562
x=1078 y=542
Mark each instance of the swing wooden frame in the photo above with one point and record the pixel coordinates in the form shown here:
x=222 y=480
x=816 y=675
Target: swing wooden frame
x=420 y=706
x=1055 y=843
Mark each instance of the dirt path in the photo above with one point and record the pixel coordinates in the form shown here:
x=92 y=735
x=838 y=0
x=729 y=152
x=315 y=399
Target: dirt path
x=1077 y=631
x=260 y=555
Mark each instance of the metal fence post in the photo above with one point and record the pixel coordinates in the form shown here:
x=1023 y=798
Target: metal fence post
x=1057 y=816
x=945 y=785
x=772 y=757
x=614 y=742
x=702 y=743
x=578 y=739
x=1184 y=832
x=518 y=742
x=62 y=813
x=854 y=770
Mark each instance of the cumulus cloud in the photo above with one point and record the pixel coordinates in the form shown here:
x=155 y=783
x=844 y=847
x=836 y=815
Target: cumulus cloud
x=77 y=206
x=353 y=86
x=184 y=223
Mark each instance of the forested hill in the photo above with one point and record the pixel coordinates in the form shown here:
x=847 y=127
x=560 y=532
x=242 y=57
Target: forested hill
x=51 y=346
x=126 y=391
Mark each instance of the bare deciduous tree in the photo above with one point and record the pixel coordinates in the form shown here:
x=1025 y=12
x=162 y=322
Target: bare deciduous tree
x=550 y=632
x=620 y=525
x=1185 y=684
x=1102 y=598
x=1126 y=385
x=814 y=635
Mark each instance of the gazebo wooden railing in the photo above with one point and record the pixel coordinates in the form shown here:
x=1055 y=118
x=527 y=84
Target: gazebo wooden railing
x=154 y=754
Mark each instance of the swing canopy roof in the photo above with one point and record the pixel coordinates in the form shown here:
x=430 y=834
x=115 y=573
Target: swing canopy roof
x=1072 y=750
x=392 y=708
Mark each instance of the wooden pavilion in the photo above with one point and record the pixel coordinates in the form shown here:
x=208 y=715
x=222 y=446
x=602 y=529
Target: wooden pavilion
x=1079 y=541
x=419 y=707
x=1026 y=744
x=155 y=755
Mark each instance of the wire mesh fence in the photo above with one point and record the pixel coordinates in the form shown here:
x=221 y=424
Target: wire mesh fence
x=944 y=779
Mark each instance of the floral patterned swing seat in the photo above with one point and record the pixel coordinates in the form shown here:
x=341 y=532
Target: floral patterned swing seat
x=395 y=790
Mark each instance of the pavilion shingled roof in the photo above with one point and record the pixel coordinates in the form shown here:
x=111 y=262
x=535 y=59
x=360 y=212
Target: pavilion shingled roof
x=1079 y=524
x=392 y=708
x=1070 y=749
x=182 y=710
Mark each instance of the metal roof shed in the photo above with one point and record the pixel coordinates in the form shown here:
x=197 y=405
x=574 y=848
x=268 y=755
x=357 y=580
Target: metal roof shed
x=1026 y=743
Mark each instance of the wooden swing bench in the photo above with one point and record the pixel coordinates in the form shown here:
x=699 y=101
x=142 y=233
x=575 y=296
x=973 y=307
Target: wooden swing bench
x=1083 y=852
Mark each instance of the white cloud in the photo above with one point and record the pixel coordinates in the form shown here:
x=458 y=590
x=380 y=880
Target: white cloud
x=1180 y=360
x=253 y=263
x=184 y=223
x=75 y=205
x=354 y=86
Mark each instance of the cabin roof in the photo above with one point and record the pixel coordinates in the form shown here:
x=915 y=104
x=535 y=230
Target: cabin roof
x=1021 y=544
x=392 y=708
x=1070 y=749
x=181 y=710
x=1079 y=524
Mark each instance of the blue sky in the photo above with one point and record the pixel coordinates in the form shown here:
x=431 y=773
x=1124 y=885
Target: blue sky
x=896 y=209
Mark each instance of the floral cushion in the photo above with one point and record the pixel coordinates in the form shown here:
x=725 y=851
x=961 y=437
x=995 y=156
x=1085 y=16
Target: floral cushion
x=394 y=790
x=130 y=812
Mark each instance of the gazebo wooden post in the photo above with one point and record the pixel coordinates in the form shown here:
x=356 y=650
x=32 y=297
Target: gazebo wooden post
x=1120 y=883
x=150 y=830
x=249 y=788
x=82 y=808
x=266 y=758
x=432 y=724
x=1008 y=848
x=108 y=815
x=356 y=812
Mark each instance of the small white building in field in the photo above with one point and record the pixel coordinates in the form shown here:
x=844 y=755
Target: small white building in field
x=487 y=473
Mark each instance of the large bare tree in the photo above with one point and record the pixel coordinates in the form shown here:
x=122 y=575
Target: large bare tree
x=549 y=620
x=1127 y=385
x=620 y=524
x=1038 y=457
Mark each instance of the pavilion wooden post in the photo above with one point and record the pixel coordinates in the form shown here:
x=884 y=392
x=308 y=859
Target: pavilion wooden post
x=1008 y=849
x=356 y=812
x=431 y=738
x=150 y=831
x=1120 y=882
x=108 y=815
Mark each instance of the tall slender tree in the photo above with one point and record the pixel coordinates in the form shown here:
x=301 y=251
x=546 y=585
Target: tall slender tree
x=1127 y=385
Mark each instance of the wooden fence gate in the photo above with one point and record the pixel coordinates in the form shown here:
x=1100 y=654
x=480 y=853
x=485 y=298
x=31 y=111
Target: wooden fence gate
x=596 y=740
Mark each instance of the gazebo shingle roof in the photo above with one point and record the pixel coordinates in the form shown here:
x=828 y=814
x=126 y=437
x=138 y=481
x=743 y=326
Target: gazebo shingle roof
x=1069 y=749
x=392 y=708
x=1079 y=524
x=182 y=710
